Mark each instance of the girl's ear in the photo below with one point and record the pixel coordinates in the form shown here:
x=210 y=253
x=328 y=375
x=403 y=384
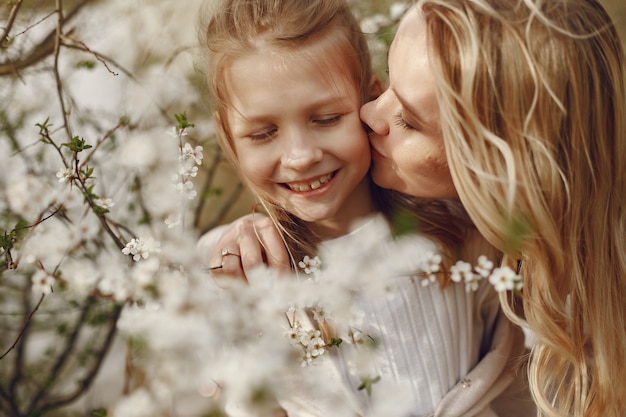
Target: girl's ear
x=375 y=87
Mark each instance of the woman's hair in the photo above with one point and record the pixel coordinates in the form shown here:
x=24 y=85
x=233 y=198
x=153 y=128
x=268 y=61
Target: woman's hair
x=235 y=28
x=533 y=111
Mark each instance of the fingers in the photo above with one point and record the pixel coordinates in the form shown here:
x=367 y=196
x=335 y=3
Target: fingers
x=250 y=242
x=274 y=250
x=225 y=259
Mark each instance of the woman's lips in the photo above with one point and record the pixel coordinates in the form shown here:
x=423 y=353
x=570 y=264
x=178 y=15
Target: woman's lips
x=376 y=154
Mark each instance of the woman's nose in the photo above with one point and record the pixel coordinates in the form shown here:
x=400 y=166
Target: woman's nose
x=373 y=115
x=301 y=151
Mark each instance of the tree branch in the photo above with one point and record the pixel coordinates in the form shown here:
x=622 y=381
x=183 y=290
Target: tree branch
x=93 y=371
x=26 y=322
x=63 y=357
x=10 y=21
x=43 y=49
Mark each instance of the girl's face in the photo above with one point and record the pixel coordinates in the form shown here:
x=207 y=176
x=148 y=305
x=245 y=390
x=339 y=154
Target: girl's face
x=297 y=134
x=408 y=153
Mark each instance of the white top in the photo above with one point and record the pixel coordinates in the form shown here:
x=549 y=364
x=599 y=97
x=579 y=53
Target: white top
x=427 y=338
x=429 y=342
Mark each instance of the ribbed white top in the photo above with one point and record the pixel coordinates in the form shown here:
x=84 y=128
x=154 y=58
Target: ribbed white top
x=427 y=338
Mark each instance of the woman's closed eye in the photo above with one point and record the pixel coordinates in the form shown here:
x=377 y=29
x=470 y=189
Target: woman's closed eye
x=400 y=122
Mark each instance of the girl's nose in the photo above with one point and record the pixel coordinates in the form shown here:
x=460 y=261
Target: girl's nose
x=373 y=115
x=301 y=151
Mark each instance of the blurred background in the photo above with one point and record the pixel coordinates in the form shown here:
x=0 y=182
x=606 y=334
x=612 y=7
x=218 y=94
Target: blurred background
x=124 y=70
x=151 y=48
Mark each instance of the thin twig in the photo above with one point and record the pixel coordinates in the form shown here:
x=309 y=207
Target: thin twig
x=10 y=401
x=26 y=323
x=100 y=141
x=64 y=356
x=82 y=47
x=29 y=27
x=43 y=49
x=91 y=374
x=10 y=21
x=57 y=75
x=102 y=58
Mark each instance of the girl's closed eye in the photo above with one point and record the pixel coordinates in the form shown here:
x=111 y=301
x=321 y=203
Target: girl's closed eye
x=400 y=122
x=262 y=134
x=327 y=120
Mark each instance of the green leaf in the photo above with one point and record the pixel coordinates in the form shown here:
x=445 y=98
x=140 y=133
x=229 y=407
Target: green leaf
x=183 y=123
x=44 y=130
x=335 y=342
x=100 y=210
x=366 y=384
x=87 y=64
x=6 y=240
x=77 y=144
x=88 y=172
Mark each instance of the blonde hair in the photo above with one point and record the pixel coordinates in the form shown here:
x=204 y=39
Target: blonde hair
x=238 y=27
x=533 y=111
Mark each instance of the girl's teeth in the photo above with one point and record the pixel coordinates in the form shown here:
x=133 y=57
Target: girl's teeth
x=315 y=185
x=312 y=186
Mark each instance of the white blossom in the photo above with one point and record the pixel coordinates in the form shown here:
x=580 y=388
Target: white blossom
x=309 y=265
x=66 y=174
x=504 y=279
x=186 y=189
x=43 y=282
x=460 y=271
x=484 y=266
x=396 y=10
x=141 y=248
x=105 y=203
x=190 y=154
x=173 y=220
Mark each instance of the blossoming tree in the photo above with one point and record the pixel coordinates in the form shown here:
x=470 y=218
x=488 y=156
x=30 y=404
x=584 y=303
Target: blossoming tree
x=110 y=170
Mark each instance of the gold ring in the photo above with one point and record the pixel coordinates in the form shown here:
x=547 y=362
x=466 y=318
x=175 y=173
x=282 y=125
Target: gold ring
x=226 y=252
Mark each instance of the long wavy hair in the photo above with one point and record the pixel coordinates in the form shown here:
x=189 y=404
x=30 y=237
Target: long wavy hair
x=533 y=109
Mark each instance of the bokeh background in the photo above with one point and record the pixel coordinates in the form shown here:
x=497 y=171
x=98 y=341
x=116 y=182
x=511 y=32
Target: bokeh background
x=132 y=60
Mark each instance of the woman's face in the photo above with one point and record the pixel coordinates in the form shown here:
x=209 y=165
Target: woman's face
x=408 y=153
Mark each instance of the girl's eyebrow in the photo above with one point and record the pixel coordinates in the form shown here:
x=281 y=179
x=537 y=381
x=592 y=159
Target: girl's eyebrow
x=329 y=101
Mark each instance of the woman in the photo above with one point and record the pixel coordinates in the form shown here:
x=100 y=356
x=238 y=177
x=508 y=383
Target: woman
x=518 y=109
